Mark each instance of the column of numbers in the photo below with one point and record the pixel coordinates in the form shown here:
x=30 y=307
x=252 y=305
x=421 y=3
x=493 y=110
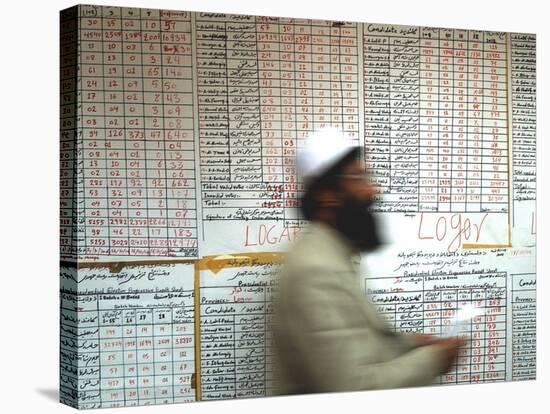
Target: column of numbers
x=68 y=238
x=155 y=179
x=139 y=157
x=475 y=119
x=289 y=121
x=495 y=138
x=135 y=201
x=269 y=75
x=115 y=188
x=429 y=125
x=179 y=151
x=459 y=130
x=93 y=87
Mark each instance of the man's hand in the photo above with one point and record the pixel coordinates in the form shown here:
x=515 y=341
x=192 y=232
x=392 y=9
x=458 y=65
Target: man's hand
x=423 y=339
x=448 y=351
x=447 y=347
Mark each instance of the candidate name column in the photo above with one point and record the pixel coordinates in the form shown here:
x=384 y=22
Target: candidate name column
x=524 y=112
x=401 y=79
x=231 y=146
x=79 y=368
x=405 y=116
x=524 y=327
x=236 y=343
x=245 y=141
x=376 y=57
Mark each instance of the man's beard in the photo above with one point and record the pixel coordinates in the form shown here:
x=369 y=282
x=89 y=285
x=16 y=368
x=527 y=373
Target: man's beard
x=358 y=224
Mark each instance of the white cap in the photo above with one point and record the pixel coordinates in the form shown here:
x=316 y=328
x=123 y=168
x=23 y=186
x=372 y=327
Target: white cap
x=322 y=150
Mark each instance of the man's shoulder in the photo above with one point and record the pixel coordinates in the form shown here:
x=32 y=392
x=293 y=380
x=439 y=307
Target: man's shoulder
x=318 y=246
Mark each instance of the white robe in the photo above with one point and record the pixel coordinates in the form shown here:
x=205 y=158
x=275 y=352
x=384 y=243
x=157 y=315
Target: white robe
x=327 y=336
